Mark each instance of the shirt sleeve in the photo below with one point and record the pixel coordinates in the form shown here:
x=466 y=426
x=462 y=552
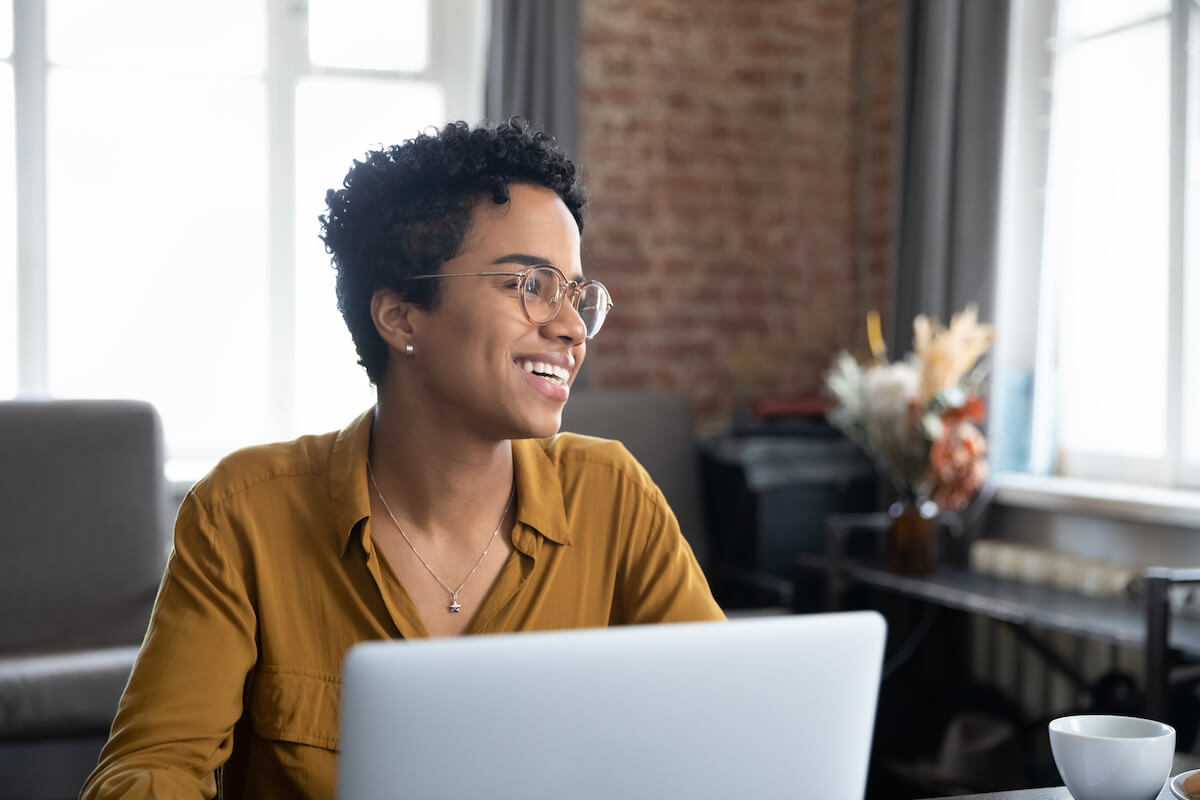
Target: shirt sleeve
x=174 y=725
x=663 y=581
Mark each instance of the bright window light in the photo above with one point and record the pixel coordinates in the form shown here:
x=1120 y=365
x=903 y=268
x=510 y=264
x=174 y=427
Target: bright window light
x=1081 y=18
x=221 y=36
x=1108 y=232
x=337 y=121
x=163 y=178
x=369 y=34
x=157 y=249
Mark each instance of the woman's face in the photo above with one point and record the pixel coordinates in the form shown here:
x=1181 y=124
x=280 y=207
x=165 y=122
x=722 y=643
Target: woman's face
x=473 y=349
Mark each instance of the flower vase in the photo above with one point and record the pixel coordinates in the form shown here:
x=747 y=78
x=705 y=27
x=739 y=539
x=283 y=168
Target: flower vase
x=913 y=546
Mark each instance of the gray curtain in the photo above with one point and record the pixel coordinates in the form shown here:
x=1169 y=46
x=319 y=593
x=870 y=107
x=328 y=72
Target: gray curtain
x=533 y=66
x=952 y=125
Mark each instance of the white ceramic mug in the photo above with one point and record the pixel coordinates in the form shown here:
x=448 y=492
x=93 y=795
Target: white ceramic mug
x=1112 y=758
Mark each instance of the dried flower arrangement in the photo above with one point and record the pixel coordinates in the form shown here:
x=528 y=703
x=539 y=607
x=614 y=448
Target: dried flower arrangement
x=918 y=417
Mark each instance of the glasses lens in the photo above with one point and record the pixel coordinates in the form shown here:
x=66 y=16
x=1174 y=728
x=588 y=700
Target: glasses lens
x=543 y=293
x=594 y=304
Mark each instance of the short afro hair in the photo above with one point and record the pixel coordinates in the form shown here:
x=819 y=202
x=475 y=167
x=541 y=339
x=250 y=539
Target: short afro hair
x=404 y=210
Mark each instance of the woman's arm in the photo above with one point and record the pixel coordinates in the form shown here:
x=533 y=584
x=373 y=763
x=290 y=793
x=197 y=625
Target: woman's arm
x=662 y=580
x=174 y=725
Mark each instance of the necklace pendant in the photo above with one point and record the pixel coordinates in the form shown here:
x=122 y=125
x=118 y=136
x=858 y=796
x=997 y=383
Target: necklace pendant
x=454 y=606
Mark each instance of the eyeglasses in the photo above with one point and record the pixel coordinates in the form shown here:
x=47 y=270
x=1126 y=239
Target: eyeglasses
x=542 y=288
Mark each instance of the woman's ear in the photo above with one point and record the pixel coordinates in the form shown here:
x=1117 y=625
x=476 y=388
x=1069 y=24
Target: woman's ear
x=394 y=318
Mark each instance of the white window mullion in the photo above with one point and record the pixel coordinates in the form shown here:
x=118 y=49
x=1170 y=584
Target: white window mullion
x=1177 y=236
x=1189 y=473
x=29 y=79
x=1044 y=446
x=1019 y=302
x=287 y=57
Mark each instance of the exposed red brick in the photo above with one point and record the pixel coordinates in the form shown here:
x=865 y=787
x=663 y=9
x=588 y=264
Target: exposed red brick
x=742 y=233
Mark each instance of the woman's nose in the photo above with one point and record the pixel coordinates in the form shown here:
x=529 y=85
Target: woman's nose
x=567 y=325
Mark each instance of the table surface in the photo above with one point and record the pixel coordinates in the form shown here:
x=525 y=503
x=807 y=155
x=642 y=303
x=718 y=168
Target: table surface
x=1049 y=793
x=1109 y=619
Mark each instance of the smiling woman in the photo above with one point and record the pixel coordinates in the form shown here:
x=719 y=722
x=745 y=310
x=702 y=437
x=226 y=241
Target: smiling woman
x=484 y=327
x=453 y=506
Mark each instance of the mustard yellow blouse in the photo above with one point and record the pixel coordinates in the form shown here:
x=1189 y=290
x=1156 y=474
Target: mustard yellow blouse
x=274 y=576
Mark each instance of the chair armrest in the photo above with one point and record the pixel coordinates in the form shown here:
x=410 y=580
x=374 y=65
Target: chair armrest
x=62 y=694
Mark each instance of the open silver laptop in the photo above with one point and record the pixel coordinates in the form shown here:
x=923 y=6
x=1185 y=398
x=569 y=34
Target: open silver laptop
x=771 y=707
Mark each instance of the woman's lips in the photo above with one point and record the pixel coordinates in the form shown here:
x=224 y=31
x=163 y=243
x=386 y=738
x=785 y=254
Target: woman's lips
x=549 y=388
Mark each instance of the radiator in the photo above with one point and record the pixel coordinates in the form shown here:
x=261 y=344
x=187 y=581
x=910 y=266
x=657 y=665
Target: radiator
x=999 y=659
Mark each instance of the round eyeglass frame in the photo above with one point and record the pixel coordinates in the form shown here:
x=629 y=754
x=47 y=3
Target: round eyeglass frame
x=572 y=289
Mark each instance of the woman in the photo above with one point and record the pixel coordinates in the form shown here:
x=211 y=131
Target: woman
x=451 y=507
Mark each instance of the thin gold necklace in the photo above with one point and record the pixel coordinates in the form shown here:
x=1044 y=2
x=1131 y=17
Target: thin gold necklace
x=454 y=606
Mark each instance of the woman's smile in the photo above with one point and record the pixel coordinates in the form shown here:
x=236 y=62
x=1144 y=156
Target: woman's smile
x=551 y=379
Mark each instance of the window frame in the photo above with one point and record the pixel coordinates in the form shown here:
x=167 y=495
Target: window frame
x=458 y=31
x=1025 y=281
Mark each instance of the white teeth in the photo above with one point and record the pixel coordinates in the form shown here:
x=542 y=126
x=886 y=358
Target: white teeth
x=551 y=372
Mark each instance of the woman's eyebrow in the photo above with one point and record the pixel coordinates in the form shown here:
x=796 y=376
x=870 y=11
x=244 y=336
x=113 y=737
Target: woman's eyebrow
x=526 y=260
x=523 y=259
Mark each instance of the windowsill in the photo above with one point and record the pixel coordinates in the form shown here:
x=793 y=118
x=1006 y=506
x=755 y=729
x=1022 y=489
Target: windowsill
x=1124 y=501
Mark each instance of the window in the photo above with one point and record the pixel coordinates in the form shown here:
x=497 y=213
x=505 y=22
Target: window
x=8 y=208
x=183 y=151
x=1099 y=286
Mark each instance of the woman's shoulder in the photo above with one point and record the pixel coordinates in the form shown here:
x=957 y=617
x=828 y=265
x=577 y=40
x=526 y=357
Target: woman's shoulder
x=578 y=447
x=575 y=453
x=262 y=465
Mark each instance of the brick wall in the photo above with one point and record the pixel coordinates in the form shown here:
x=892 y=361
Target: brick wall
x=740 y=162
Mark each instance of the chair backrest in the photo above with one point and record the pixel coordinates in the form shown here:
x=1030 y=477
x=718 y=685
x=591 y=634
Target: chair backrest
x=82 y=522
x=656 y=426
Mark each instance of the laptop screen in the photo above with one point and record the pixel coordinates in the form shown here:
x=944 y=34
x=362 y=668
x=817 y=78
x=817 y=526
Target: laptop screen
x=779 y=707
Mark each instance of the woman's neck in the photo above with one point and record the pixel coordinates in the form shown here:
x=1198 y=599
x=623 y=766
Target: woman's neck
x=443 y=479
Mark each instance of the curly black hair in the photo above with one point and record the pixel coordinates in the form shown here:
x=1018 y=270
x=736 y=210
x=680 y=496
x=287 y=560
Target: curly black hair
x=404 y=210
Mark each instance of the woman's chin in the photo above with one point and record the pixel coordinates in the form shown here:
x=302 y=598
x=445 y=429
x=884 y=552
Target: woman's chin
x=545 y=426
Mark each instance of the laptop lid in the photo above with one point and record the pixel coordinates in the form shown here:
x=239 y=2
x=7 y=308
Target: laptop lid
x=768 y=707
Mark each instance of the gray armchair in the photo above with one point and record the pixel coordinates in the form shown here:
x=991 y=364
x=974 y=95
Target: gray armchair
x=85 y=539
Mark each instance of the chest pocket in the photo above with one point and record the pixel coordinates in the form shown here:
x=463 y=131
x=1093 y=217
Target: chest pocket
x=296 y=705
